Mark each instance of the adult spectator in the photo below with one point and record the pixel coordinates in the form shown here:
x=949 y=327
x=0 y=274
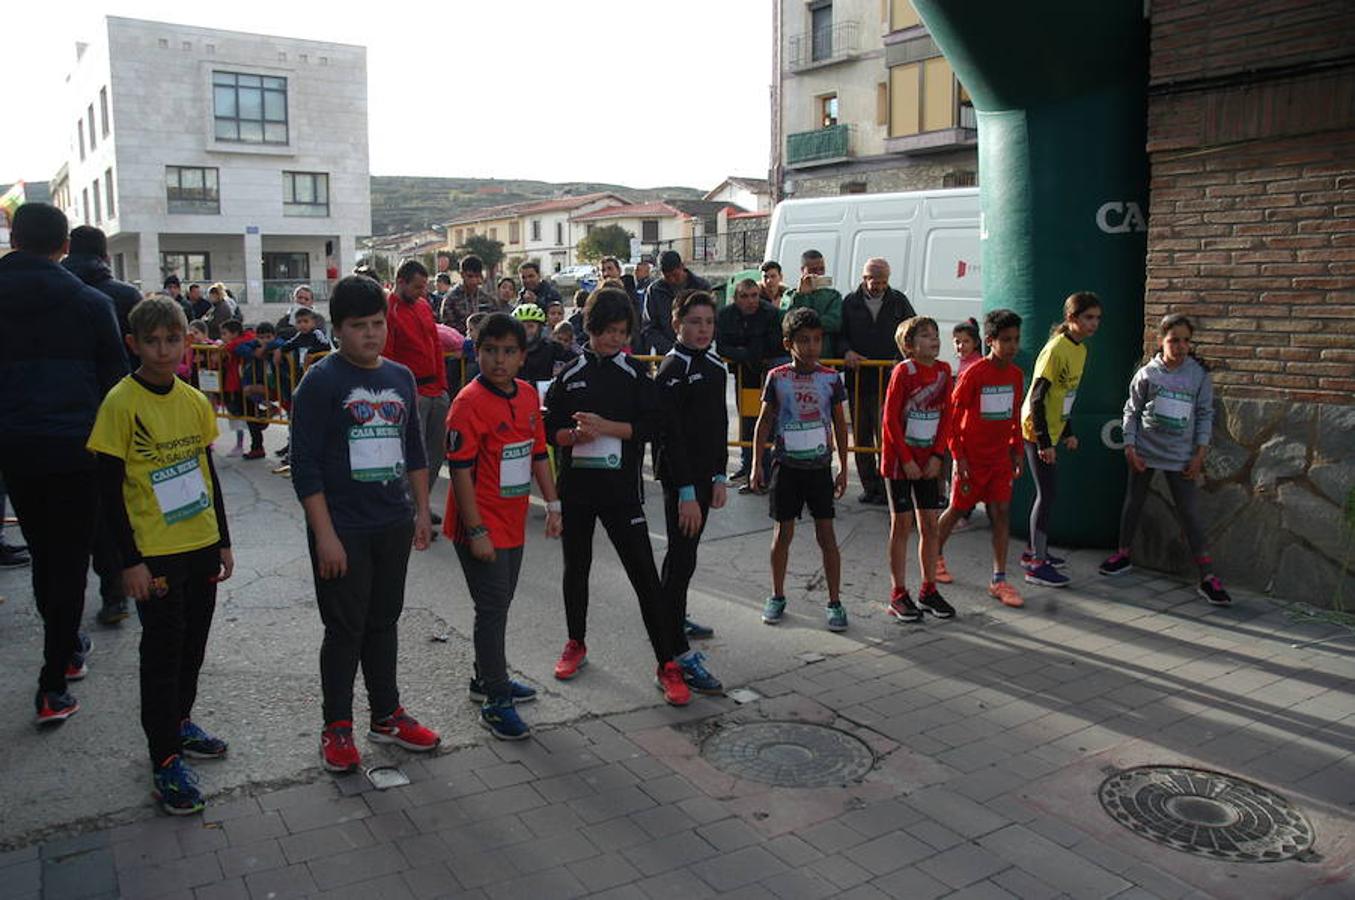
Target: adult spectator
x=507 y=292
x=657 y=335
x=870 y=315
x=748 y=333
x=442 y=287
x=534 y=288
x=814 y=293
x=199 y=304
x=412 y=340
x=223 y=310
x=174 y=290
x=610 y=267
x=466 y=298
x=60 y=352
x=773 y=286
x=643 y=274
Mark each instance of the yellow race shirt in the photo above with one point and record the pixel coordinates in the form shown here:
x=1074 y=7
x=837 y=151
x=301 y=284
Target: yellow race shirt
x=163 y=441
x=1060 y=363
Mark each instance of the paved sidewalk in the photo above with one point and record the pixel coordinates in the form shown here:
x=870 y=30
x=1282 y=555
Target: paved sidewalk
x=992 y=734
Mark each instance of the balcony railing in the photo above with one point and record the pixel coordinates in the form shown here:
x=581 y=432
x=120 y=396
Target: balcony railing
x=968 y=117
x=822 y=145
x=826 y=45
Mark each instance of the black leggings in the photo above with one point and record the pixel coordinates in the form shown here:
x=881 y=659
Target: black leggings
x=629 y=533
x=1046 y=488
x=1185 y=498
x=680 y=561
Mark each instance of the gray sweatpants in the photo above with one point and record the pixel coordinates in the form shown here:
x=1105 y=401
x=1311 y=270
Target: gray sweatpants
x=492 y=585
x=1185 y=498
x=433 y=422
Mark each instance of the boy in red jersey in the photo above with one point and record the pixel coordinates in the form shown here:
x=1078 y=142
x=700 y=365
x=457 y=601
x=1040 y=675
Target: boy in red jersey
x=985 y=439
x=916 y=422
x=496 y=443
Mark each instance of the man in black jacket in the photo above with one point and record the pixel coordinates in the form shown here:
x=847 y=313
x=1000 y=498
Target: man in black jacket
x=870 y=315
x=60 y=352
x=748 y=333
x=657 y=330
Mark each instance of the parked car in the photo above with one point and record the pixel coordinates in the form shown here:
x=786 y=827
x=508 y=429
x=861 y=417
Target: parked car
x=571 y=278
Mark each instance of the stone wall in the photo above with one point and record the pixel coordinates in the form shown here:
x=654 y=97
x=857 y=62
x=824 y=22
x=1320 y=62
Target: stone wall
x=894 y=173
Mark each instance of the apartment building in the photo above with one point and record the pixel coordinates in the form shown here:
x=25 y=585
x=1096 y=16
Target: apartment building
x=219 y=155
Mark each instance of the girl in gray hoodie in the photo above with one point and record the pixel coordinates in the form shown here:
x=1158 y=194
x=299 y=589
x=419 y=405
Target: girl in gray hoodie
x=1168 y=419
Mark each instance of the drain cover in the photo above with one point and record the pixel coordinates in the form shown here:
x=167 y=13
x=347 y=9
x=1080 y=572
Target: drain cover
x=1208 y=813
x=788 y=754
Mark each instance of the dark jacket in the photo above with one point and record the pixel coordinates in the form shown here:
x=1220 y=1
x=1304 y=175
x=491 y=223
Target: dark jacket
x=873 y=338
x=94 y=271
x=545 y=294
x=748 y=341
x=543 y=358
x=695 y=427
x=221 y=312
x=60 y=352
x=657 y=330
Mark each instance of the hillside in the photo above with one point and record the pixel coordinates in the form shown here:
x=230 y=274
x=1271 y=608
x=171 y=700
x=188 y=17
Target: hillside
x=408 y=203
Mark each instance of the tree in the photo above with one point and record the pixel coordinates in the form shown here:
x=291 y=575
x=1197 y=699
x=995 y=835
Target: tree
x=490 y=251
x=605 y=240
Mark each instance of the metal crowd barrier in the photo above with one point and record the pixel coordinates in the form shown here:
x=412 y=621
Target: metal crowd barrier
x=265 y=397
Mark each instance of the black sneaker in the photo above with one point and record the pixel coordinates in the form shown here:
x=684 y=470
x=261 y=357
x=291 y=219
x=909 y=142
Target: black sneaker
x=935 y=604
x=435 y=518
x=113 y=610
x=1211 y=589
x=1116 y=564
x=14 y=557
x=903 y=609
x=697 y=631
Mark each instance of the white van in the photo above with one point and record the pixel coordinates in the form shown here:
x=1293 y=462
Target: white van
x=931 y=239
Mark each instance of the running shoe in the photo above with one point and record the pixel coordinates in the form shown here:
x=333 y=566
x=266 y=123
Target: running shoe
x=500 y=718
x=1005 y=593
x=78 y=666
x=113 y=610
x=1028 y=560
x=521 y=693
x=196 y=743
x=773 y=610
x=669 y=680
x=697 y=676
x=284 y=468
x=255 y=453
x=1116 y=564
x=403 y=730
x=282 y=453
x=935 y=604
x=902 y=608
x=943 y=575
x=836 y=617
x=572 y=660
x=175 y=785
x=696 y=631
x=55 y=706
x=14 y=557
x=1211 y=589
x=337 y=749
x=1047 y=575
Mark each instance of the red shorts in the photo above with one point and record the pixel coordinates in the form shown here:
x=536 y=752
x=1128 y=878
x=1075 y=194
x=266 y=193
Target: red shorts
x=987 y=483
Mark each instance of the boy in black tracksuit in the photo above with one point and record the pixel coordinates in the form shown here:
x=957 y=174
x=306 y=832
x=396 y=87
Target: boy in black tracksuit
x=692 y=459
x=599 y=413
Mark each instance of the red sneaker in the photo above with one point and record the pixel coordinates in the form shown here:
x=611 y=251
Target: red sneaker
x=55 y=707
x=403 y=730
x=572 y=660
x=337 y=749
x=673 y=685
x=256 y=453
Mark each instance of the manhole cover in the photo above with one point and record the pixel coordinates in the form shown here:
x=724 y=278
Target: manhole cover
x=1208 y=813
x=788 y=754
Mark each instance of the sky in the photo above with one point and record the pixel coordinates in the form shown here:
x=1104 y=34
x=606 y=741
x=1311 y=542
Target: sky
x=636 y=92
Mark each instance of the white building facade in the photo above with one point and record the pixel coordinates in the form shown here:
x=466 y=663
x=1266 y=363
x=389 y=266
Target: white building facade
x=549 y=235
x=220 y=156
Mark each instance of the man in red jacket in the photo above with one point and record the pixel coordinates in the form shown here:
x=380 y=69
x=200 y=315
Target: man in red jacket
x=412 y=341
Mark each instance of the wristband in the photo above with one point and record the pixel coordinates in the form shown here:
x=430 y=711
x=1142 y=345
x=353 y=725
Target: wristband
x=478 y=531
x=553 y=507
x=686 y=493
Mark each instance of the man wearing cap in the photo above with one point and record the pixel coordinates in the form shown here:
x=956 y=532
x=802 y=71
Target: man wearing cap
x=657 y=332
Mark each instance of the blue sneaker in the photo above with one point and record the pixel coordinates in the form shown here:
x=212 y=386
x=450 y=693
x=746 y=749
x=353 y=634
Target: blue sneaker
x=696 y=631
x=1046 y=575
x=1028 y=560
x=175 y=785
x=694 y=672
x=773 y=610
x=196 y=743
x=522 y=693
x=501 y=719
x=836 y=616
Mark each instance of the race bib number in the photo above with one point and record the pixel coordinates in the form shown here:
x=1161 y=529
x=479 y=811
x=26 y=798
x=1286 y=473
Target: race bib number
x=602 y=452
x=997 y=401
x=515 y=469
x=376 y=452
x=1173 y=410
x=209 y=381
x=180 y=490
x=922 y=425
x=805 y=440
x=1068 y=400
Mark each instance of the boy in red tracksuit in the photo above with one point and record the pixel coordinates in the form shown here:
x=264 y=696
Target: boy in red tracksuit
x=986 y=442
x=916 y=424
x=235 y=336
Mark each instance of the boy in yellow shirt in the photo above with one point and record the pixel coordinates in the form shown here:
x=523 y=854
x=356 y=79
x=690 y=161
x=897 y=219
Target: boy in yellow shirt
x=162 y=502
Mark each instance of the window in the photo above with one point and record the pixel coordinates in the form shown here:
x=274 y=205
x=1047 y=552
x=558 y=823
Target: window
x=852 y=187
x=305 y=194
x=882 y=103
x=536 y=229
x=80 y=127
x=108 y=192
x=588 y=229
x=821 y=29
x=922 y=97
x=251 y=109
x=649 y=230
x=90 y=112
x=902 y=15
x=828 y=111
x=515 y=232
x=493 y=234
x=192 y=190
x=290 y=266
x=84 y=207
x=103 y=112
x=119 y=267
x=959 y=178
x=98 y=203
x=460 y=237
x=189 y=265
x=559 y=233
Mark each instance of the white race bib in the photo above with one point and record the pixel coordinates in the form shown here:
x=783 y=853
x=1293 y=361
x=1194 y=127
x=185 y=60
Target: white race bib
x=541 y=388
x=180 y=490
x=804 y=440
x=1173 y=410
x=922 y=425
x=602 y=452
x=376 y=452
x=209 y=381
x=1068 y=400
x=515 y=469
x=996 y=401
